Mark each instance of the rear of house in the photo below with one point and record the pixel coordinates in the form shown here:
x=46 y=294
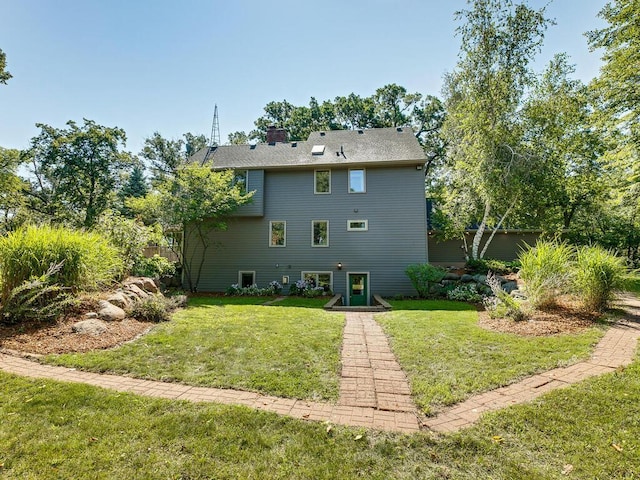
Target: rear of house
x=344 y=210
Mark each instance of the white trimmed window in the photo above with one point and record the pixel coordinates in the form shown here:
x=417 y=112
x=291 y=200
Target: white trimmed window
x=357 y=225
x=319 y=279
x=241 y=177
x=320 y=233
x=322 y=182
x=277 y=233
x=357 y=180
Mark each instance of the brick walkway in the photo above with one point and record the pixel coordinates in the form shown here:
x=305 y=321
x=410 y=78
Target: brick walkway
x=374 y=392
x=616 y=349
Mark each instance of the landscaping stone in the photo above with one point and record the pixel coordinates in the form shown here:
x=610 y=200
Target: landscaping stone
x=136 y=290
x=149 y=285
x=466 y=278
x=90 y=315
x=110 y=312
x=451 y=276
x=119 y=299
x=510 y=287
x=92 y=326
x=481 y=279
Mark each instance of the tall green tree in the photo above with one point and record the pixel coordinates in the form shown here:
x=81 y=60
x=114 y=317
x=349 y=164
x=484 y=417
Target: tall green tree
x=75 y=171
x=11 y=189
x=196 y=201
x=165 y=156
x=491 y=172
x=4 y=74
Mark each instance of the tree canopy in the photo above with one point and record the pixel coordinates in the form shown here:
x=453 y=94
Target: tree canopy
x=4 y=74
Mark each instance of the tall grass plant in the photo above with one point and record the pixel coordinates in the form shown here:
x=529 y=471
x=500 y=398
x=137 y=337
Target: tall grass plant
x=598 y=274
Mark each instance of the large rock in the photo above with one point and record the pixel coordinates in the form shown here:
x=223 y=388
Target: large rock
x=149 y=285
x=91 y=326
x=119 y=299
x=466 y=278
x=136 y=290
x=451 y=276
x=510 y=287
x=110 y=312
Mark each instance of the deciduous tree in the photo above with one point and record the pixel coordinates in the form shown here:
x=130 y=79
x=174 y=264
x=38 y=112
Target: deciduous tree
x=4 y=74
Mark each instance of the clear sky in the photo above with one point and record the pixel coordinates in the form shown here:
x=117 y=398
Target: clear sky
x=161 y=65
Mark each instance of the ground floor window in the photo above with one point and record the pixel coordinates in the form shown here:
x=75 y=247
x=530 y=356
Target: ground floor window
x=319 y=279
x=246 y=278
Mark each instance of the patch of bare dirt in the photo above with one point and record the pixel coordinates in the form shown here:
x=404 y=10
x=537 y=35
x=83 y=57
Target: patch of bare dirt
x=58 y=337
x=565 y=318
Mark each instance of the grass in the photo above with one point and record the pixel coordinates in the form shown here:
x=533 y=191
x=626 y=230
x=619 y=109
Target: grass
x=288 y=352
x=318 y=302
x=632 y=283
x=447 y=357
x=54 y=430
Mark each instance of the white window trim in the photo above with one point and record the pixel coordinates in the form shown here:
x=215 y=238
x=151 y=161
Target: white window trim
x=364 y=180
x=271 y=222
x=315 y=183
x=312 y=225
x=241 y=272
x=351 y=229
x=246 y=180
x=316 y=272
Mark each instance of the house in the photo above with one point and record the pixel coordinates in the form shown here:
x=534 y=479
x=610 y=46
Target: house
x=345 y=210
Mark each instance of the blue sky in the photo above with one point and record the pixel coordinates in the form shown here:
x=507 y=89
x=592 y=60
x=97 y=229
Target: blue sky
x=161 y=65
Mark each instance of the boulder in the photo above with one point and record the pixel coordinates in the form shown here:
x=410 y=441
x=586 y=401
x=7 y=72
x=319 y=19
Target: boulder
x=110 y=312
x=466 y=278
x=91 y=326
x=91 y=315
x=149 y=285
x=136 y=290
x=119 y=299
x=510 y=287
x=451 y=276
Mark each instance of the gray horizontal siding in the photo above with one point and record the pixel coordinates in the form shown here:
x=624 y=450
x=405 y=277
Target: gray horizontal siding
x=255 y=183
x=393 y=205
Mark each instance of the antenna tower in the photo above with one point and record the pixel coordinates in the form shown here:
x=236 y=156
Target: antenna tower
x=215 y=129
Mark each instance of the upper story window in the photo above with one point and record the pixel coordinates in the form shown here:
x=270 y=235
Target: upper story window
x=357 y=180
x=322 y=181
x=277 y=234
x=241 y=177
x=320 y=233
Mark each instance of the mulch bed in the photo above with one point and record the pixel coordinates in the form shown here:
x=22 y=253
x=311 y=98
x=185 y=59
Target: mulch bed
x=565 y=318
x=43 y=339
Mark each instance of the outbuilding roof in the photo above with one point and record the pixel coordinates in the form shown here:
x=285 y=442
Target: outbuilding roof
x=395 y=145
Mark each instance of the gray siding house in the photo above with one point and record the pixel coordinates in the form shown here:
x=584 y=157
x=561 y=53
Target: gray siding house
x=345 y=209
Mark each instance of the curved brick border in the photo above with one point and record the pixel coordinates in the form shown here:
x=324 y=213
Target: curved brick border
x=374 y=392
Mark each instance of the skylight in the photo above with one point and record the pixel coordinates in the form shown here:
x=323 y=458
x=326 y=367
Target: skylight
x=317 y=150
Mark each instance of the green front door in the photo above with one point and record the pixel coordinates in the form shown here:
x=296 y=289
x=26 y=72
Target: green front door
x=358 y=289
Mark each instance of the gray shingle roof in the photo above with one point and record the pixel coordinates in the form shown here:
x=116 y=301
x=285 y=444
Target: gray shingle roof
x=342 y=147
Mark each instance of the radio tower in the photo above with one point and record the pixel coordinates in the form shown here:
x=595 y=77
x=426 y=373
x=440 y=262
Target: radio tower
x=215 y=129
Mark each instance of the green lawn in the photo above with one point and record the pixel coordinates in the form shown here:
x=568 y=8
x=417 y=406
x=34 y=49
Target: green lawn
x=54 y=430
x=319 y=302
x=288 y=352
x=448 y=357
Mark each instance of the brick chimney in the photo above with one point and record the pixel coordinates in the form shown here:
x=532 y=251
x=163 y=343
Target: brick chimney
x=276 y=134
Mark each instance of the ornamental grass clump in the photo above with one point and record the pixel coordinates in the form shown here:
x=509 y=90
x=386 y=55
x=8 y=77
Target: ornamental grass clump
x=598 y=274
x=546 y=272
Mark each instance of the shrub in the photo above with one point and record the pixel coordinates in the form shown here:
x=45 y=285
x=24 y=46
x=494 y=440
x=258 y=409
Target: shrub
x=546 y=272
x=308 y=289
x=423 y=275
x=465 y=293
x=36 y=299
x=511 y=308
x=129 y=236
x=155 y=266
x=598 y=274
x=156 y=308
x=87 y=261
x=274 y=288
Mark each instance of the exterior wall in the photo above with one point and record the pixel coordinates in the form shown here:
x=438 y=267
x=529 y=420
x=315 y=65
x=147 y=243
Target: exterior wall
x=393 y=205
x=255 y=182
x=504 y=246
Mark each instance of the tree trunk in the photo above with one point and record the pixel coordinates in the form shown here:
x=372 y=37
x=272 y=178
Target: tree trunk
x=475 y=246
x=497 y=227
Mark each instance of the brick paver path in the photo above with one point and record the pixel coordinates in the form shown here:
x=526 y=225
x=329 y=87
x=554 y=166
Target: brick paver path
x=374 y=392
x=616 y=349
x=371 y=375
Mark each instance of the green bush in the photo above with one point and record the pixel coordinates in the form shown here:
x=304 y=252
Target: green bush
x=423 y=275
x=156 y=308
x=155 y=266
x=502 y=304
x=546 y=272
x=87 y=261
x=598 y=274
